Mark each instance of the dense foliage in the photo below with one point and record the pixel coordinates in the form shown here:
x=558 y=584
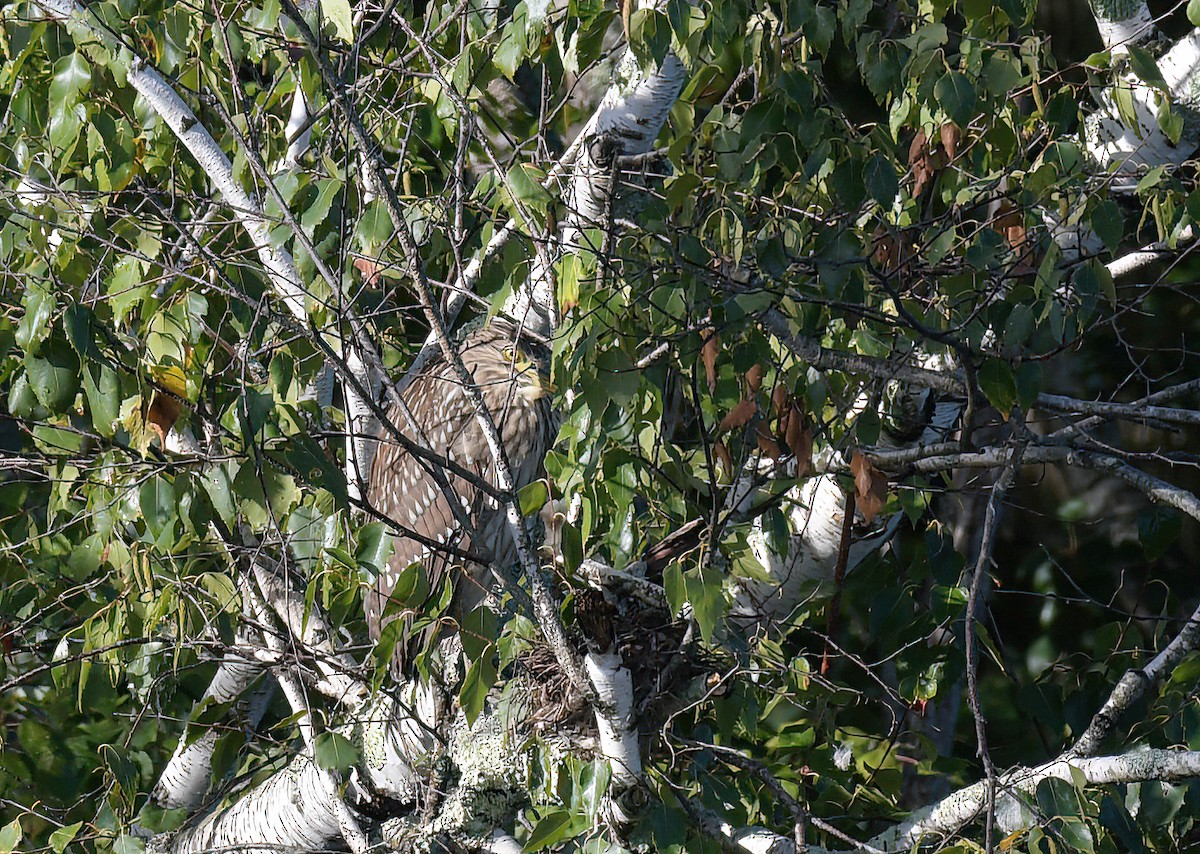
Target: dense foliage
x=878 y=177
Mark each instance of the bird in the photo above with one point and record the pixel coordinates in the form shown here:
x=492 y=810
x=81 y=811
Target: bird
x=512 y=376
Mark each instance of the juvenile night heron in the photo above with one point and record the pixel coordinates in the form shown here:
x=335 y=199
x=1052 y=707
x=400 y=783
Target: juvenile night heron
x=511 y=376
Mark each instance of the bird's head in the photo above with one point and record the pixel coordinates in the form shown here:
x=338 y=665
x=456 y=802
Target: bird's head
x=533 y=381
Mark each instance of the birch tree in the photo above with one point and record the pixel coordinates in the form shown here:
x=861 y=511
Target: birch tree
x=870 y=521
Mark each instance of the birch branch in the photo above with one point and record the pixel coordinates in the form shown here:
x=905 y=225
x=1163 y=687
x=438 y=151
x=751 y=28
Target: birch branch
x=617 y=723
x=1116 y=147
x=308 y=626
x=951 y=814
x=1121 y=23
x=1132 y=262
x=1134 y=684
x=346 y=822
x=182 y=121
x=1131 y=411
x=187 y=776
x=633 y=111
x=300 y=807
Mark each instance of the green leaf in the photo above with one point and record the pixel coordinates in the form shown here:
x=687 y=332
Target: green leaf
x=374 y=226
x=550 y=829
x=1028 y=376
x=22 y=402
x=341 y=16
x=1170 y=122
x=39 y=305
x=513 y=47
x=675 y=587
x=374 y=546
x=1193 y=12
x=763 y=119
x=478 y=682
x=221 y=589
x=1122 y=95
x=997 y=382
x=156 y=499
x=524 y=186
x=880 y=178
x=317 y=211
x=1108 y=224
x=54 y=376
x=956 y=95
x=122 y=769
x=10 y=836
x=1158 y=529
x=159 y=820
x=532 y=497
x=1187 y=672
x=1151 y=179
x=62 y=837
x=272 y=491
x=1146 y=68
x=412 y=587
x=220 y=492
x=54 y=440
x=126 y=844
x=334 y=752
x=706 y=594
x=77 y=321
x=649 y=36
x=593 y=786
x=1094 y=278
x=72 y=77
x=303 y=455
x=103 y=397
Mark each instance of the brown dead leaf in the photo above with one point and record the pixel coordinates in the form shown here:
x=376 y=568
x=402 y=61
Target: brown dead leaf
x=921 y=163
x=162 y=415
x=916 y=148
x=1006 y=216
x=739 y=416
x=723 y=456
x=885 y=250
x=766 y=442
x=369 y=267
x=798 y=435
x=950 y=135
x=923 y=173
x=709 y=353
x=870 y=486
x=779 y=400
x=754 y=378
x=1009 y=223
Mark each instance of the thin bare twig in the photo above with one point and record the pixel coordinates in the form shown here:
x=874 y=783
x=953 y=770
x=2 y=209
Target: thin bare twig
x=1007 y=476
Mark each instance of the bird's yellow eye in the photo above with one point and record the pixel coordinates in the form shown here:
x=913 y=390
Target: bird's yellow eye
x=508 y=354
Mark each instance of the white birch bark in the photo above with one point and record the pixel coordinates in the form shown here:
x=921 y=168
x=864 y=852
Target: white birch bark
x=1122 y=22
x=949 y=815
x=614 y=716
x=298 y=132
x=1121 y=153
x=307 y=625
x=186 y=779
x=934 y=825
x=803 y=567
x=628 y=120
x=1116 y=148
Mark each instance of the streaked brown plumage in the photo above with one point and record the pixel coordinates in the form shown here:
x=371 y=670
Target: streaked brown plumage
x=401 y=487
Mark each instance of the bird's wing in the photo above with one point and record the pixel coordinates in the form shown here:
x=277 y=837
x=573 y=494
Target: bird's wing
x=403 y=489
